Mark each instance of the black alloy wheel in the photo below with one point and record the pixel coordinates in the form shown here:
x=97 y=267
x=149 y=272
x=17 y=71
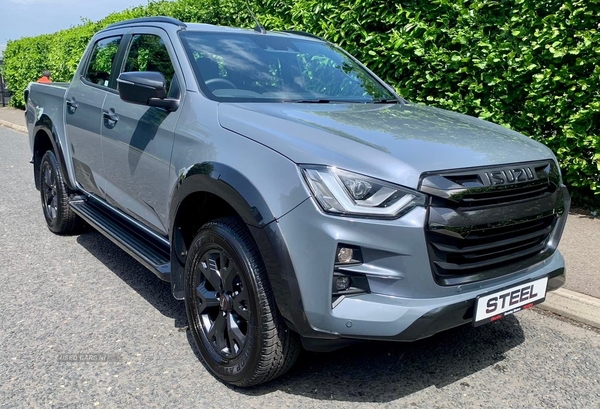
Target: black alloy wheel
x=55 y=198
x=222 y=302
x=49 y=194
x=231 y=308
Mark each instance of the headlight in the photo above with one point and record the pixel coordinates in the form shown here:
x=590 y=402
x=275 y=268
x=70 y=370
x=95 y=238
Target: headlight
x=342 y=192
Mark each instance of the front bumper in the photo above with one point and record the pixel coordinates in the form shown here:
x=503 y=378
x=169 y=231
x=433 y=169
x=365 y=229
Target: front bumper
x=405 y=303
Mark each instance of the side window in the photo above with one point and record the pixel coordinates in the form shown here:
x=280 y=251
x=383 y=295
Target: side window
x=149 y=53
x=101 y=62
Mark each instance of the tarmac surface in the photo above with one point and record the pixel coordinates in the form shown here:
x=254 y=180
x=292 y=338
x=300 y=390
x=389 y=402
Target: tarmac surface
x=579 y=245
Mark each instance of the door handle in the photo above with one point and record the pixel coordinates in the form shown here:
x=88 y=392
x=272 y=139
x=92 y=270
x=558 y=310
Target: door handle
x=111 y=118
x=72 y=105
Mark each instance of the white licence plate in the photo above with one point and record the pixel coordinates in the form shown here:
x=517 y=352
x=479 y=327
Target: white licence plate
x=494 y=306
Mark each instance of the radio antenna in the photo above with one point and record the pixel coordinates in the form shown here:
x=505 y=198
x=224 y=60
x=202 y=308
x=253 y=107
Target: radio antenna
x=258 y=28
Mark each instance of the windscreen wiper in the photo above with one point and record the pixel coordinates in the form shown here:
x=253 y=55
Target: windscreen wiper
x=312 y=101
x=386 y=101
x=324 y=101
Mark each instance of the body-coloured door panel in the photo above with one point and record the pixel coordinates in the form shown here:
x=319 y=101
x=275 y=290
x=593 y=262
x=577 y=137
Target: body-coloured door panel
x=84 y=101
x=138 y=140
x=137 y=153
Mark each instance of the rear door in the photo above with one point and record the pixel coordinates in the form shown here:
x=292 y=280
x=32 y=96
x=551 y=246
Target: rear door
x=83 y=118
x=137 y=140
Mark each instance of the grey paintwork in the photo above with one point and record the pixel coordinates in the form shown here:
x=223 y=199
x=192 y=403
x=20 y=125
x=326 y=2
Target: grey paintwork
x=47 y=100
x=137 y=167
x=410 y=139
x=83 y=127
x=200 y=139
x=265 y=142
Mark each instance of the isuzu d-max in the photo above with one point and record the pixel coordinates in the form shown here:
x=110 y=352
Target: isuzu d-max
x=289 y=195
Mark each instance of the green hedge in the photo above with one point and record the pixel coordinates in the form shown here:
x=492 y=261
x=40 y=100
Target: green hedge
x=530 y=65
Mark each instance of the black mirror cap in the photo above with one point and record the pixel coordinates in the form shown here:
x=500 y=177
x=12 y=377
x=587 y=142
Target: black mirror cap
x=140 y=87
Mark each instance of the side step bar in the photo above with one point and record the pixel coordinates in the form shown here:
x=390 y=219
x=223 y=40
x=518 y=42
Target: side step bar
x=150 y=250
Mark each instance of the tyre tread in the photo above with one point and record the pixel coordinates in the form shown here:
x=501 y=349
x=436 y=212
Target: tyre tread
x=67 y=221
x=280 y=347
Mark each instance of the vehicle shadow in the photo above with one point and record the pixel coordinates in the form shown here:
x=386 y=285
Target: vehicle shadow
x=142 y=281
x=384 y=371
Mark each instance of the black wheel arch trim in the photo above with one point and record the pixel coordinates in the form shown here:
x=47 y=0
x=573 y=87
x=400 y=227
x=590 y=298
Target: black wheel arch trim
x=226 y=183
x=283 y=280
x=235 y=189
x=46 y=125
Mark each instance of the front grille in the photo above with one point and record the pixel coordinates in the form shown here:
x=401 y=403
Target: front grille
x=487 y=252
x=512 y=193
x=484 y=223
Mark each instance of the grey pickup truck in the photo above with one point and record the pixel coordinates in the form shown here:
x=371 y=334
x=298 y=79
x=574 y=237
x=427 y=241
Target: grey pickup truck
x=290 y=196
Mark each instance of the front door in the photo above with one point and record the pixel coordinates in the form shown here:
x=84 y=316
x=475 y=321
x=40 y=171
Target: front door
x=137 y=140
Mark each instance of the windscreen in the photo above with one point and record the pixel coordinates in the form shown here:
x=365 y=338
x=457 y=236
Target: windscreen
x=266 y=68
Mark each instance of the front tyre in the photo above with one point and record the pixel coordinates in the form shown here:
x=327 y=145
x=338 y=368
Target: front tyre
x=231 y=309
x=55 y=198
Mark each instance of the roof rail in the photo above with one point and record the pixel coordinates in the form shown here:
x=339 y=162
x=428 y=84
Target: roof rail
x=302 y=33
x=159 y=19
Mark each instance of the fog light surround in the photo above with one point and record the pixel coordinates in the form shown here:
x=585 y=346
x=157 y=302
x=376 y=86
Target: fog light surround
x=346 y=283
x=341 y=283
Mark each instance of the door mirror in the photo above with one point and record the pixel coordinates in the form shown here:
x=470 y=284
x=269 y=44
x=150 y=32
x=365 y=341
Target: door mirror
x=145 y=88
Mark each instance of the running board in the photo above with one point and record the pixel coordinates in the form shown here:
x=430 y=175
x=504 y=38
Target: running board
x=152 y=252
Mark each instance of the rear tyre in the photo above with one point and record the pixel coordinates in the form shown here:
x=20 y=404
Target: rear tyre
x=55 y=198
x=231 y=309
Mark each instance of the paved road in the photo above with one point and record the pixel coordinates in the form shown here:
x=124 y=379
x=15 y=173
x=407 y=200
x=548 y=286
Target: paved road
x=81 y=294
x=580 y=245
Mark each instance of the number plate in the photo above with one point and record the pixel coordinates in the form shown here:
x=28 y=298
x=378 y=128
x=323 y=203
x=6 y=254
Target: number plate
x=494 y=306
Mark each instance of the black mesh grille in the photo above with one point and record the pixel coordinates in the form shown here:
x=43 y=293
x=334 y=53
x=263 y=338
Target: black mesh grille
x=479 y=230
x=511 y=194
x=486 y=252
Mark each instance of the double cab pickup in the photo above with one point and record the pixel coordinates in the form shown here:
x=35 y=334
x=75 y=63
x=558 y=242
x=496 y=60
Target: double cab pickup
x=290 y=196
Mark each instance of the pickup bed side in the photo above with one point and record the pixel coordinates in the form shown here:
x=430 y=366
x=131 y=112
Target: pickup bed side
x=45 y=122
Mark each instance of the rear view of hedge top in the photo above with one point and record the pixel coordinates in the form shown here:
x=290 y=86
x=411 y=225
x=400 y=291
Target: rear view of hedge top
x=531 y=65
